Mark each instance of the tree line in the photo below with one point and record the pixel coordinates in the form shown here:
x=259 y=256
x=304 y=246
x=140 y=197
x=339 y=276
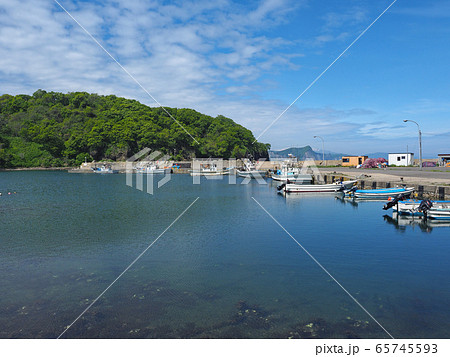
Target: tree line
x=51 y=129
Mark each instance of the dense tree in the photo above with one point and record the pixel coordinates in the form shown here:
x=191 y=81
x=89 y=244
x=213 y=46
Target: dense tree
x=54 y=129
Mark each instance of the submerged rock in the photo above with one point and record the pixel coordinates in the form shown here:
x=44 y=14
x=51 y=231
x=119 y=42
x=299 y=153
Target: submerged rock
x=351 y=328
x=317 y=328
x=251 y=316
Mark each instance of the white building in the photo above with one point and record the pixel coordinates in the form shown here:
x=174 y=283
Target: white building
x=401 y=159
x=444 y=159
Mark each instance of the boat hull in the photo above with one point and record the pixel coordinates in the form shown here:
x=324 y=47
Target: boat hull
x=158 y=171
x=312 y=188
x=293 y=178
x=251 y=174
x=383 y=193
x=211 y=173
x=106 y=171
x=439 y=214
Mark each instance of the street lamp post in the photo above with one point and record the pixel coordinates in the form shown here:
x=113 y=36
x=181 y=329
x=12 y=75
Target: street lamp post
x=323 y=148
x=420 y=141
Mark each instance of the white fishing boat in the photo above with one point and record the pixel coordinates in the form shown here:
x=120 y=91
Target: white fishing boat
x=210 y=169
x=382 y=193
x=153 y=169
x=411 y=207
x=250 y=170
x=292 y=187
x=292 y=174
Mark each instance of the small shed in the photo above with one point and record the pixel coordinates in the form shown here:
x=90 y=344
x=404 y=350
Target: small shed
x=401 y=159
x=444 y=159
x=353 y=160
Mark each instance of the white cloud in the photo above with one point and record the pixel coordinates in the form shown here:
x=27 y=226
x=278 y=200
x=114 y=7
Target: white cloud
x=183 y=53
x=213 y=56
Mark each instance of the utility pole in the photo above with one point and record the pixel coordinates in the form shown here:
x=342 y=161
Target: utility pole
x=420 y=141
x=323 y=148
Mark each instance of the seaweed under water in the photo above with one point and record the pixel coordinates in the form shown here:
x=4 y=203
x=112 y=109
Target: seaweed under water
x=247 y=321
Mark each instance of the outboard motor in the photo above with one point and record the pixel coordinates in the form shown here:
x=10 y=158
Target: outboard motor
x=279 y=188
x=424 y=207
x=393 y=202
x=351 y=191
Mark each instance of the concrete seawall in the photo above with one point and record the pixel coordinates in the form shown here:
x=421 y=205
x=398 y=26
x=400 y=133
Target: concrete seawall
x=426 y=184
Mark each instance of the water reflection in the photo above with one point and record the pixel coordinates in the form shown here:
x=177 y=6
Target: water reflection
x=401 y=222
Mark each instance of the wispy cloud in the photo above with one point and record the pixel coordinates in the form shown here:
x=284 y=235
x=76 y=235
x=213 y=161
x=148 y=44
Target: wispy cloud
x=181 y=52
x=336 y=25
x=245 y=60
x=431 y=9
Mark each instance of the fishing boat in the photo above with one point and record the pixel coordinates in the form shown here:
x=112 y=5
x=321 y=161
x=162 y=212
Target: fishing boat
x=153 y=169
x=292 y=187
x=290 y=173
x=411 y=207
x=382 y=193
x=104 y=169
x=210 y=169
x=250 y=170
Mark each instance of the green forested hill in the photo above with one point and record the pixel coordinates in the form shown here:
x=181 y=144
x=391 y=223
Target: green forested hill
x=51 y=129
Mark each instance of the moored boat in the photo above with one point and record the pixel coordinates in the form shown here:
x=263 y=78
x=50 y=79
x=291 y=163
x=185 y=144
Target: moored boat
x=153 y=169
x=439 y=214
x=292 y=174
x=104 y=169
x=412 y=207
x=382 y=193
x=292 y=187
x=250 y=170
x=210 y=169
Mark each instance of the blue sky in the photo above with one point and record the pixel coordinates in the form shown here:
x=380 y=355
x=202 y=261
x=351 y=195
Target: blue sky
x=249 y=61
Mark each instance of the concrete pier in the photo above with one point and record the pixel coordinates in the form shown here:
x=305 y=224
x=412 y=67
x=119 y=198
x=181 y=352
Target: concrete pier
x=432 y=183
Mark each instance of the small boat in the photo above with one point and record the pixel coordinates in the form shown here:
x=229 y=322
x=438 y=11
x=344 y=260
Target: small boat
x=411 y=207
x=104 y=169
x=210 y=169
x=153 y=169
x=292 y=187
x=250 y=170
x=291 y=173
x=439 y=214
x=382 y=193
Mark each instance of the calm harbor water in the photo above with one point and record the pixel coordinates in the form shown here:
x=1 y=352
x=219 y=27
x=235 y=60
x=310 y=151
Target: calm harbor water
x=225 y=269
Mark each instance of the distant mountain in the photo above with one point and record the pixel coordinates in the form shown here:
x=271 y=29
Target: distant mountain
x=376 y=155
x=303 y=153
x=306 y=152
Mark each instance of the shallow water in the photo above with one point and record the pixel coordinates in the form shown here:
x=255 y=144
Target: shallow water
x=225 y=269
